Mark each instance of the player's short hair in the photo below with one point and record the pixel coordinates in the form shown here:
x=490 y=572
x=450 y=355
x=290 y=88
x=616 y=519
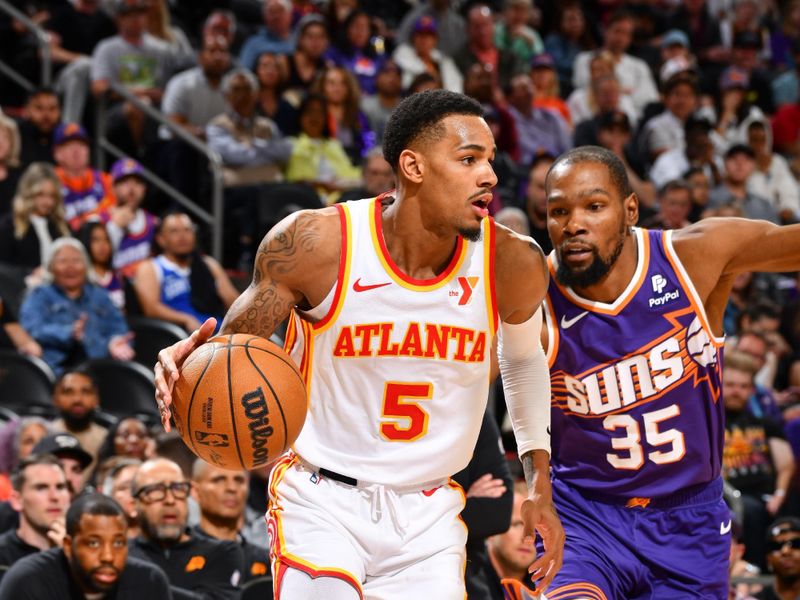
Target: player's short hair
x=91 y=504
x=18 y=475
x=598 y=155
x=419 y=117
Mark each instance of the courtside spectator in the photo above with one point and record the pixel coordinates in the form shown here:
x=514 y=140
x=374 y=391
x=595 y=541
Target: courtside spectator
x=75 y=28
x=772 y=178
x=36 y=220
x=17 y=439
x=733 y=191
x=307 y=62
x=545 y=86
x=221 y=495
x=41 y=116
x=420 y=55
x=666 y=131
x=674 y=206
x=632 y=73
x=274 y=36
x=196 y=566
x=92 y=564
x=377 y=177
x=352 y=49
x=73 y=458
x=513 y=31
x=735 y=110
x=783 y=559
x=71 y=318
x=698 y=152
x=10 y=170
x=94 y=237
x=86 y=191
x=757 y=459
x=379 y=106
x=179 y=285
x=117 y=485
x=539 y=130
x=252 y=147
x=571 y=37
x=480 y=84
x=272 y=72
x=127 y=438
x=536 y=201
x=602 y=93
x=41 y=497
x=479 y=46
x=131 y=228
x=76 y=399
x=451 y=25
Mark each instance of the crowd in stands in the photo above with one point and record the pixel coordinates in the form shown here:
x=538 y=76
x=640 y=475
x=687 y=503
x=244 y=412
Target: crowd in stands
x=700 y=99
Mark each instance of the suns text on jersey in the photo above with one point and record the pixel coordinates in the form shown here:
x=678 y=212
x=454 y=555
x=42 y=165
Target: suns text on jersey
x=418 y=340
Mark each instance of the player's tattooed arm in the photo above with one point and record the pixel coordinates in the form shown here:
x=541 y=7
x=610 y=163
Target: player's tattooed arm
x=288 y=254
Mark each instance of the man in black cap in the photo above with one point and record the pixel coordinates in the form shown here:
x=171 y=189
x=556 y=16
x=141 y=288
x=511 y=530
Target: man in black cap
x=73 y=458
x=783 y=559
x=41 y=498
x=740 y=162
x=93 y=562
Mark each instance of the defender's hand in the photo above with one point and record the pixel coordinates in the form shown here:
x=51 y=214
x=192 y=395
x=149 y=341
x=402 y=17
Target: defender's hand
x=539 y=516
x=167 y=369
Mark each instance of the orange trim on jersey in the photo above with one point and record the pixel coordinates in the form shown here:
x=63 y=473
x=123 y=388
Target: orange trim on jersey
x=689 y=289
x=489 y=275
x=553 y=335
x=344 y=272
x=577 y=591
x=281 y=558
x=619 y=304
x=417 y=285
x=308 y=349
x=457 y=486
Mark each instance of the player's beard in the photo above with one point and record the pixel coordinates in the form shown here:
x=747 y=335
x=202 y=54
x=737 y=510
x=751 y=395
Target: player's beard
x=595 y=272
x=470 y=234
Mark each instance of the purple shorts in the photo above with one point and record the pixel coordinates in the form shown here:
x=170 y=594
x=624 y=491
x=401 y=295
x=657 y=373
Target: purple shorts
x=674 y=548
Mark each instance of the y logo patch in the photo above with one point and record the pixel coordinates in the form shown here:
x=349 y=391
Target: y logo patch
x=467 y=285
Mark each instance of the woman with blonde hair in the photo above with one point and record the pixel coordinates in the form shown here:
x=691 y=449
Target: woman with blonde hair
x=9 y=162
x=346 y=122
x=583 y=102
x=158 y=25
x=36 y=220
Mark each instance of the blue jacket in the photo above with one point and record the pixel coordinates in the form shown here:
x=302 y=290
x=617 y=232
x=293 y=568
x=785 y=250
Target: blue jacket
x=49 y=315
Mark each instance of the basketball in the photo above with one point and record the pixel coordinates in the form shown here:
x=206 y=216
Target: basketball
x=240 y=402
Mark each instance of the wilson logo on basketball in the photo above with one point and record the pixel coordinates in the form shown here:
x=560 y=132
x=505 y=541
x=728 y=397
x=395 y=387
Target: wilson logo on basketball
x=257 y=411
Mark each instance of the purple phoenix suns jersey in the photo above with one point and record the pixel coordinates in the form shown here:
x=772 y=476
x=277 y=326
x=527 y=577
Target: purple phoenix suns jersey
x=636 y=406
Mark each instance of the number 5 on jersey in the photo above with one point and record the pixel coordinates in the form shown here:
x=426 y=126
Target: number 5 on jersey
x=402 y=417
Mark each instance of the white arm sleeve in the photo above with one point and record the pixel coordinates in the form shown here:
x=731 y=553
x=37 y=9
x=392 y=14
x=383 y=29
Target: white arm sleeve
x=526 y=382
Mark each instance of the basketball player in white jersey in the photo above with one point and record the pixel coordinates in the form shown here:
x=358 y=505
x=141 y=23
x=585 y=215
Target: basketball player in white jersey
x=393 y=303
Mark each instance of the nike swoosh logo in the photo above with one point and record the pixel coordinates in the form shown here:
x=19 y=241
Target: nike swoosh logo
x=358 y=287
x=567 y=323
x=725 y=527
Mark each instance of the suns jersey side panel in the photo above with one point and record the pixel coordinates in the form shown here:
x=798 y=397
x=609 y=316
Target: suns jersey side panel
x=636 y=409
x=397 y=369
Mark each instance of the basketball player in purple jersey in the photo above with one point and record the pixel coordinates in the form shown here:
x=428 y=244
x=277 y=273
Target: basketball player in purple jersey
x=634 y=342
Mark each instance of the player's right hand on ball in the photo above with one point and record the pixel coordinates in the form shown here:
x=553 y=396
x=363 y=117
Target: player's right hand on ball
x=167 y=369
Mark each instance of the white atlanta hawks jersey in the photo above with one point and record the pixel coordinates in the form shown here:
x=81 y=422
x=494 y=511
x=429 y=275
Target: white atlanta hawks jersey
x=397 y=369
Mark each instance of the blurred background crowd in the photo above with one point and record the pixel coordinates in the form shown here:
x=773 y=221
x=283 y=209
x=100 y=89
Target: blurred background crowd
x=121 y=120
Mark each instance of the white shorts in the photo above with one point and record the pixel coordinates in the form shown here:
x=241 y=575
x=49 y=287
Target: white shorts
x=387 y=543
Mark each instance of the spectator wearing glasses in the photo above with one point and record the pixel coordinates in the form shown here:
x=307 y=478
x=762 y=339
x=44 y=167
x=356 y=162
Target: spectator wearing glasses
x=783 y=559
x=93 y=562
x=195 y=566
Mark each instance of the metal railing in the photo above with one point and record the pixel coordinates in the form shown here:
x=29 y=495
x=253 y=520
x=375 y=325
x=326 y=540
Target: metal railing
x=42 y=41
x=214 y=219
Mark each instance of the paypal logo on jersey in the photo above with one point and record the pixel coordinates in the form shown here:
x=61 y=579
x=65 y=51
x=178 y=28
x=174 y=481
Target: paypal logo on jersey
x=659 y=282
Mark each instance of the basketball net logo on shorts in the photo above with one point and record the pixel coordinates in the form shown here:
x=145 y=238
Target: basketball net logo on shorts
x=257 y=411
x=467 y=286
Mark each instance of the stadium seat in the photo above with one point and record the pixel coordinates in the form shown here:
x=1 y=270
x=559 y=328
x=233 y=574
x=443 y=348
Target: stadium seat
x=12 y=285
x=26 y=384
x=259 y=588
x=6 y=415
x=150 y=336
x=126 y=388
